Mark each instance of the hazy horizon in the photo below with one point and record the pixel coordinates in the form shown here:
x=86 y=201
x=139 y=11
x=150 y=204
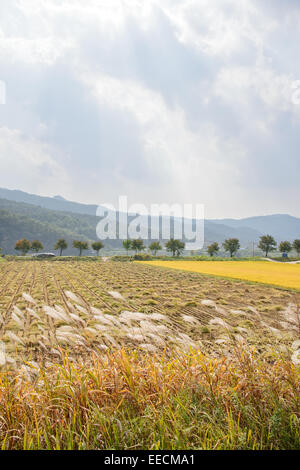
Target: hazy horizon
x=62 y=198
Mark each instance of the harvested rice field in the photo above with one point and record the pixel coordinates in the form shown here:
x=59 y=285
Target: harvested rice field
x=277 y=274
x=84 y=305
x=109 y=355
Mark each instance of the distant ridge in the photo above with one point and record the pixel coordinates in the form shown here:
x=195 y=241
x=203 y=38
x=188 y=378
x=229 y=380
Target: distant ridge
x=281 y=226
x=57 y=203
x=75 y=220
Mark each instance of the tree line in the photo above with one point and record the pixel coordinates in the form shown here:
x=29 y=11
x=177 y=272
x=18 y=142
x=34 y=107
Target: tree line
x=24 y=246
x=232 y=245
x=267 y=244
x=173 y=246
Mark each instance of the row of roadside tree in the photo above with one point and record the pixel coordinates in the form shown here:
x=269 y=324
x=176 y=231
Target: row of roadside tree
x=267 y=244
x=24 y=246
x=173 y=246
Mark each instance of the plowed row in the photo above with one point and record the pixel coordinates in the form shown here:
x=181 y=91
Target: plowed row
x=195 y=306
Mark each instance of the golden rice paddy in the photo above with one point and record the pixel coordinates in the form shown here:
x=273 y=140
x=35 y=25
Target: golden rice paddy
x=277 y=274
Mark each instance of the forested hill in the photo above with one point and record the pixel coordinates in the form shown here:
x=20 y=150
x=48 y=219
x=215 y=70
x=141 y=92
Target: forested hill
x=19 y=220
x=13 y=227
x=80 y=224
x=56 y=203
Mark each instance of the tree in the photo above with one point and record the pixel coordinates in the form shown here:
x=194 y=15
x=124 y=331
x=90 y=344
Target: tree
x=137 y=245
x=232 y=245
x=97 y=246
x=127 y=245
x=23 y=245
x=296 y=246
x=267 y=244
x=36 y=246
x=61 y=245
x=80 y=246
x=213 y=249
x=175 y=246
x=154 y=247
x=285 y=247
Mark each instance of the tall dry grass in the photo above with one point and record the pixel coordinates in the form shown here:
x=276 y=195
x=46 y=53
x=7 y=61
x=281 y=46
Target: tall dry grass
x=135 y=400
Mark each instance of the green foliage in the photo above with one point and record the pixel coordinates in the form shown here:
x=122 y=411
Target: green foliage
x=127 y=245
x=61 y=245
x=36 y=246
x=267 y=243
x=80 y=245
x=232 y=245
x=213 y=249
x=137 y=245
x=142 y=257
x=97 y=246
x=154 y=247
x=23 y=246
x=175 y=247
x=296 y=246
x=285 y=247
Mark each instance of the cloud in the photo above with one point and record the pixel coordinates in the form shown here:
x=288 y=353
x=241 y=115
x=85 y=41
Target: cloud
x=165 y=101
x=27 y=163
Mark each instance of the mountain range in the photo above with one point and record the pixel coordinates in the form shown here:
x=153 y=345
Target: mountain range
x=49 y=218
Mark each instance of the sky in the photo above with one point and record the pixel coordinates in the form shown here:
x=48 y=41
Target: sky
x=164 y=101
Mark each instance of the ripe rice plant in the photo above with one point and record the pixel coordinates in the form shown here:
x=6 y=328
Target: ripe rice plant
x=277 y=274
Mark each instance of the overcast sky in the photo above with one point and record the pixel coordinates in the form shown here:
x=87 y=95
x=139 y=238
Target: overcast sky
x=160 y=100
